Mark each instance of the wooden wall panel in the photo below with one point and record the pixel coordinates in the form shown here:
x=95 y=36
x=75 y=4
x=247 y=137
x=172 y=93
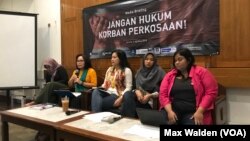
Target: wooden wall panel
x=232 y=77
x=69 y=41
x=233 y=59
x=70 y=33
x=234 y=34
x=72 y=27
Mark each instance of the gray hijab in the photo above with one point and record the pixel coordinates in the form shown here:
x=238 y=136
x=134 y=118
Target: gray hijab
x=149 y=79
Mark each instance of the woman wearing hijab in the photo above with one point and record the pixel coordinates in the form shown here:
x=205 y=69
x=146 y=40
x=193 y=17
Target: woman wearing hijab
x=56 y=77
x=148 y=79
x=55 y=72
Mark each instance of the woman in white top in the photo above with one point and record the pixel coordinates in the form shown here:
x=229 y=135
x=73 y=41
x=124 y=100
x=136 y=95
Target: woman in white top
x=118 y=80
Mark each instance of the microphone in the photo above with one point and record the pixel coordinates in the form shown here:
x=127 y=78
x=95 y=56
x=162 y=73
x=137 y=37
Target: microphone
x=77 y=72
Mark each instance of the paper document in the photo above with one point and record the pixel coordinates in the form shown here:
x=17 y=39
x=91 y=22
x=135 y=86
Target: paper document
x=102 y=89
x=144 y=131
x=98 y=117
x=76 y=94
x=42 y=106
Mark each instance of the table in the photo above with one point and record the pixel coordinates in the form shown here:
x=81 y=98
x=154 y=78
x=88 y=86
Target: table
x=47 y=120
x=85 y=129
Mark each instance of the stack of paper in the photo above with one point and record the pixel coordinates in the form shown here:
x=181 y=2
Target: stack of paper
x=98 y=117
x=42 y=106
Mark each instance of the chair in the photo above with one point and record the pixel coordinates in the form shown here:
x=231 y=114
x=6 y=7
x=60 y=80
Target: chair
x=87 y=95
x=86 y=100
x=20 y=97
x=219 y=113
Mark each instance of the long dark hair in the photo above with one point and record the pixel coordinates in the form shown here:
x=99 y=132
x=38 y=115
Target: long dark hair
x=187 y=54
x=87 y=62
x=123 y=58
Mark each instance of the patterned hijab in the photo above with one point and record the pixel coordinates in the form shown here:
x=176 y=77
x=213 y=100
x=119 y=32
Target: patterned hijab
x=149 y=79
x=53 y=65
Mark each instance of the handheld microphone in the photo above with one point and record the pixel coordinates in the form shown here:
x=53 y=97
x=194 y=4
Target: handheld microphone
x=77 y=72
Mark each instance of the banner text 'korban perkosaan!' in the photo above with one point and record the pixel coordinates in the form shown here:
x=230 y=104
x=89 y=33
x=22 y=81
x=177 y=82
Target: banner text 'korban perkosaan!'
x=158 y=26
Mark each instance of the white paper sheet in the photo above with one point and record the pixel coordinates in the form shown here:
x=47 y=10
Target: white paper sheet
x=42 y=106
x=144 y=131
x=97 y=117
x=116 y=129
x=76 y=94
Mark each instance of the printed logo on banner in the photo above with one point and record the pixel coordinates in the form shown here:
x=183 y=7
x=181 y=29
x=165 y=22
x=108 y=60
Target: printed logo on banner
x=157 y=50
x=106 y=53
x=141 y=51
x=168 y=50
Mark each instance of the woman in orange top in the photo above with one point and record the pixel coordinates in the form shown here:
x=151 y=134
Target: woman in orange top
x=82 y=79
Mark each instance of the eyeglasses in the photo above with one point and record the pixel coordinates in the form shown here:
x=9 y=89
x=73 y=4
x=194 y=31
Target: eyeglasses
x=80 y=60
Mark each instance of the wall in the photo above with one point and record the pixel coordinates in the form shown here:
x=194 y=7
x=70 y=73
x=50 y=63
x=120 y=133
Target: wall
x=72 y=27
x=238 y=104
x=48 y=37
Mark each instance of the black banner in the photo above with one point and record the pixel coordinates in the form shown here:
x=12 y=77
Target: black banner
x=159 y=26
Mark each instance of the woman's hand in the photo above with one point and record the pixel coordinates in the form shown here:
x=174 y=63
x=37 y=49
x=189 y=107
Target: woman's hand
x=139 y=95
x=72 y=80
x=146 y=98
x=98 y=24
x=172 y=117
x=78 y=81
x=118 y=102
x=198 y=118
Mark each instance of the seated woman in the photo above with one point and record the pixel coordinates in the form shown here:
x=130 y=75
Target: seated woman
x=82 y=79
x=118 y=81
x=188 y=92
x=56 y=77
x=148 y=79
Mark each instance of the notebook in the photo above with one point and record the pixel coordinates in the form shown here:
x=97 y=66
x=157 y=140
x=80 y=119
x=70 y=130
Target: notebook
x=151 y=117
x=68 y=93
